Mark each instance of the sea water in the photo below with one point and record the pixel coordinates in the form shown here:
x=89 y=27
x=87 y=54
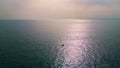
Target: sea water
x=88 y=43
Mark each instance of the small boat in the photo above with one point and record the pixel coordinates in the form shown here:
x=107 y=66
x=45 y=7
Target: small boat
x=62 y=45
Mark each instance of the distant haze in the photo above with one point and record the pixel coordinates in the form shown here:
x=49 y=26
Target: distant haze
x=37 y=9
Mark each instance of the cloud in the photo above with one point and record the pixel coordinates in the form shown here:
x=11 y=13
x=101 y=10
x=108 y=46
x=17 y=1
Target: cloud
x=9 y=8
x=37 y=9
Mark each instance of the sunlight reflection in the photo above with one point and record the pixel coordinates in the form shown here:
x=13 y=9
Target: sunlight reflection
x=74 y=52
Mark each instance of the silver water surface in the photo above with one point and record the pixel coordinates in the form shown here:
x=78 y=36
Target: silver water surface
x=89 y=44
x=76 y=44
x=60 y=44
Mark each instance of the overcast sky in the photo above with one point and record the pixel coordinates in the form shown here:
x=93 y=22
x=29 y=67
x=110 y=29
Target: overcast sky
x=37 y=9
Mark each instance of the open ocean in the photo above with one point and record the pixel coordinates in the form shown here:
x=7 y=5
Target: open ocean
x=70 y=43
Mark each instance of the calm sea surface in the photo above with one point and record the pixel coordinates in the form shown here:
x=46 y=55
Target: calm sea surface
x=71 y=43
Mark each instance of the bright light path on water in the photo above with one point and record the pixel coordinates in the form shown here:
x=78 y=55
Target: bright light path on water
x=74 y=52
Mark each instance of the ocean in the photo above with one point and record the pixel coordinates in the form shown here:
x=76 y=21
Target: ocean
x=66 y=43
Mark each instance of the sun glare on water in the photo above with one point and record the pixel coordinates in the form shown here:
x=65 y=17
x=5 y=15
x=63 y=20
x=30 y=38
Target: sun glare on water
x=74 y=52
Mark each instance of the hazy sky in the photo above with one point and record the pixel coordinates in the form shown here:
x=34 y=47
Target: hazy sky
x=37 y=9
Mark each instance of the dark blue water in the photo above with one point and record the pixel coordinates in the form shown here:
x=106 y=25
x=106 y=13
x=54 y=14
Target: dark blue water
x=37 y=44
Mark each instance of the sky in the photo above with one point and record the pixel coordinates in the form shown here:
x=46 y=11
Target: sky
x=64 y=9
